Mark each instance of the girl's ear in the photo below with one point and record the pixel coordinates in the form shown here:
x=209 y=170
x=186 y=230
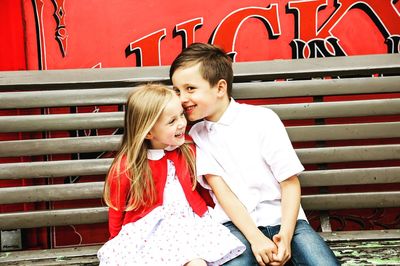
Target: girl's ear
x=149 y=136
x=222 y=87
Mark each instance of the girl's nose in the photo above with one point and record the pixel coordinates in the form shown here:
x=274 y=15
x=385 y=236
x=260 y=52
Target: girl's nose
x=182 y=122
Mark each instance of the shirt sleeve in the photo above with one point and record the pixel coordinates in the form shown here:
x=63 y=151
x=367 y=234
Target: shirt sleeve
x=206 y=165
x=277 y=149
x=119 y=189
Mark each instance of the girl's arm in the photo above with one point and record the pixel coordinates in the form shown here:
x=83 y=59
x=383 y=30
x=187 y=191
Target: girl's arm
x=263 y=248
x=119 y=188
x=115 y=219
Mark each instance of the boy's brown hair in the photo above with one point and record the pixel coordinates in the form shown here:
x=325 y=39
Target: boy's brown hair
x=215 y=63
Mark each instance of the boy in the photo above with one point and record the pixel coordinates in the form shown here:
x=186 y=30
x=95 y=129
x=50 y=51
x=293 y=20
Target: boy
x=248 y=146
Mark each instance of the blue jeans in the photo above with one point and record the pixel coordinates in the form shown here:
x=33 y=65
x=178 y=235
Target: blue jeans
x=308 y=248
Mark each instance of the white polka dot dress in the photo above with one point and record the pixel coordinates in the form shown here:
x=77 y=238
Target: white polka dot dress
x=171 y=234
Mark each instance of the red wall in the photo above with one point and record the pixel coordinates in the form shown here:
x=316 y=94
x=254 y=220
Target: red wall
x=12 y=50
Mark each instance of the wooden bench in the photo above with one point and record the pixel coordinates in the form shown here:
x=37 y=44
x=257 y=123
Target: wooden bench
x=342 y=114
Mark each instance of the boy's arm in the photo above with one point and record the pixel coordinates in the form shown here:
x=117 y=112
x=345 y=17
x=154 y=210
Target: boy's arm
x=262 y=246
x=290 y=209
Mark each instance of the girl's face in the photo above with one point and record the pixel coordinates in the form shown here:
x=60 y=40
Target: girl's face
x=169 y=130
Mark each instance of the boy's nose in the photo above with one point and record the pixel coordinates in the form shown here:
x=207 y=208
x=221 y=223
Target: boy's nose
x=184 y=97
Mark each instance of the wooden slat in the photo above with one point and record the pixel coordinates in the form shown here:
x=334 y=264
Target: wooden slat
x=100 y=166
x=59 y=145
x=111 y=142
x=315 y=87
x=33 y=123
x=344 y=131
x=317 y=67
x=349 y=154
x=350 y=176
x=115 y=96
x=54 y=168
x=273 y=69
x=359 y=200
x=59 y=98
x=81 y=255
x=87 y=190
x=367 y=235
x=33 y=219
x=81 y=78
x=337 y=109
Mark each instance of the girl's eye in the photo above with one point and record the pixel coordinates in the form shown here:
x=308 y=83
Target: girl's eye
x=177 y=91
x=171 y=121
x=189 y=88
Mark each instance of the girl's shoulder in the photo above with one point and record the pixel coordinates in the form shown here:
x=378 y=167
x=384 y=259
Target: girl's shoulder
x=189 y=141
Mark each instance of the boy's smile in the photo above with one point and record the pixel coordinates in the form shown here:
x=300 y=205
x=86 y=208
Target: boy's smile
x=198 y=98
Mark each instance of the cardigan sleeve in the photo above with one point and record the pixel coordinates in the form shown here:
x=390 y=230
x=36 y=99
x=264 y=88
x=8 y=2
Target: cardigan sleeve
x=119 y=189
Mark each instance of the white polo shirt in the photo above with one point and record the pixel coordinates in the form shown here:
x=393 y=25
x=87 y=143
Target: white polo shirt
x=250 y=149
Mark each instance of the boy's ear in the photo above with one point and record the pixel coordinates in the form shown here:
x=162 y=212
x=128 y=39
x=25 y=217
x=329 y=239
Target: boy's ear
x=222 y=87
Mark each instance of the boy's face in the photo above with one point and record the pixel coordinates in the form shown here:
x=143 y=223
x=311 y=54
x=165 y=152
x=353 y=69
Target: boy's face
x=198 y=98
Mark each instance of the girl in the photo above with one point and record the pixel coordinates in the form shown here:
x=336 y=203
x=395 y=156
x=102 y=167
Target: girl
x=156 y=215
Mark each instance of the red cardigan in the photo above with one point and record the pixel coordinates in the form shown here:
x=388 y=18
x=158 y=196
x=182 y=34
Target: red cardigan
x=118 y=218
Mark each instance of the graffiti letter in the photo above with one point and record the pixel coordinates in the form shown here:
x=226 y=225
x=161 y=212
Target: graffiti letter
x=309 y=37
x=147 y=49
x=187 y=29
x=226 y=32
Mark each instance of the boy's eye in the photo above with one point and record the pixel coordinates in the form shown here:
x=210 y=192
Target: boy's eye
x=190 y=88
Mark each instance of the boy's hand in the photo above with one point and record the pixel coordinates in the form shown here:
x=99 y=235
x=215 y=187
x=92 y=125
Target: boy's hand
x=264 y=249
x=284 y=250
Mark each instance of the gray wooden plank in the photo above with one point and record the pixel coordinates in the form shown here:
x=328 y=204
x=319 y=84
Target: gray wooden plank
x=111 y=142
x=344 y=131
x=349 y=154
x=129 y=75
x=337 y=109
x=273 y=69
x=359 y=235
x=31 y=123
x=317 y=67
x=34 y=219
x=350 y=176
x=100 y=166
x=247 y=90
x=46 y=256
x=315 y=87
x=360 y=200
x=33 y=147
x=54 y=168
x=61 y=98
x=86 y=190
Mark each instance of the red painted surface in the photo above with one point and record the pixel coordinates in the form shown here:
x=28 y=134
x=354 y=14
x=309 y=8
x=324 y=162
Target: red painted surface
x=12 y=37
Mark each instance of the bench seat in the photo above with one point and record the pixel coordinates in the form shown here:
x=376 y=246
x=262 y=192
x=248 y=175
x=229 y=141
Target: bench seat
x=342 y=115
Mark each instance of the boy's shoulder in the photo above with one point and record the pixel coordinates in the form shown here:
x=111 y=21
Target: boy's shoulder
x=254 y=110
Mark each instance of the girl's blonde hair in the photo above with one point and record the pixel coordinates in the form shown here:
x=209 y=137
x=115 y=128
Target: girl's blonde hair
x=143 y=108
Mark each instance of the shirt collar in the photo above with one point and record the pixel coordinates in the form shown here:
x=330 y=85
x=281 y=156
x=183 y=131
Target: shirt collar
x=157 y=154
x=227 y=117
